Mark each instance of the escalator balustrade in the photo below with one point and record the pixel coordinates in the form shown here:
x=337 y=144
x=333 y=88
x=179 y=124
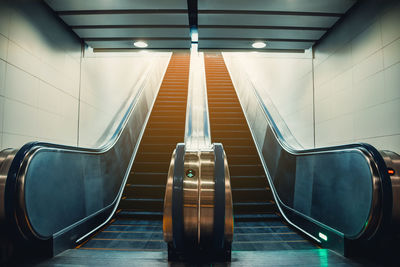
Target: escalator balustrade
x=198 y=215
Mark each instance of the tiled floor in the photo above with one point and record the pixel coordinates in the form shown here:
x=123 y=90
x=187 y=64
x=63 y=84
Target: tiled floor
x=311 y=257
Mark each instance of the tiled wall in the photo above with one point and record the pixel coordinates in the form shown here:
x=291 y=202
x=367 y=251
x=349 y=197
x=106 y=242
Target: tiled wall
x=287 y=80
x=357 y=79
x=48 y=91
x=39 y=77
x=108 y=81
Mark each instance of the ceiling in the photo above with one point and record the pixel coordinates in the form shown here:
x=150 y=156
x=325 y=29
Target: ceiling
x=222 y=24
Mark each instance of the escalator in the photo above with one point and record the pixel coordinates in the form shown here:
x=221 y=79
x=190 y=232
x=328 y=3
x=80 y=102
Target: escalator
x=137 y=223
x=112 y=198
x=258 y=225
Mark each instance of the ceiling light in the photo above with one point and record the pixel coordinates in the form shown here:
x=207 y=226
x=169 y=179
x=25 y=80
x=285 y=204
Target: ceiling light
x=259 y=45
x=195 y=37
x=140 y=44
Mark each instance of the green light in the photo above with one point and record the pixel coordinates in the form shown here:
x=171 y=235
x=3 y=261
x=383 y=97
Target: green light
x=190 y=173
x=323 y=237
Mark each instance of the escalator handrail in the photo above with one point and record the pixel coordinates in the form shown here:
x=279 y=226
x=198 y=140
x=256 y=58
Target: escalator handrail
x=24 y=156
x=382 y=191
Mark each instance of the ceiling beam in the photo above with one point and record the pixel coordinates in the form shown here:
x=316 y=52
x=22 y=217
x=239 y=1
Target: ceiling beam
x=121 y=12
x=127 y=26
x=257 y=12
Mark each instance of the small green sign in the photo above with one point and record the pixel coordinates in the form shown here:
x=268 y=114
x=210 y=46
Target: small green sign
x=190 y=173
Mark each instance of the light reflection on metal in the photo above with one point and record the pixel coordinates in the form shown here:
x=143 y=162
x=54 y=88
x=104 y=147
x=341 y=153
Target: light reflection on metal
x=197 y=130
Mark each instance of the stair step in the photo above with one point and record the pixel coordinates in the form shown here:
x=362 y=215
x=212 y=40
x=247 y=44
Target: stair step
x=144 y=191
x=251 y=194
x=234 y=140
x=258 y=181
x=142 y=204
x=139 y=215
x=139 y=166
x=149 y=178
x=244 y=170
x=256 y=217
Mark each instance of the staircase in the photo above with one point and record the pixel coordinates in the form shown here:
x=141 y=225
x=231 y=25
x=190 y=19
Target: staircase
x=143 y=195
x=252 y=197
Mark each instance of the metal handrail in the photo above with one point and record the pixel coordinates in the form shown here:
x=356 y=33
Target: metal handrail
x=380 y=181
x=91 y=169
x=197 y=126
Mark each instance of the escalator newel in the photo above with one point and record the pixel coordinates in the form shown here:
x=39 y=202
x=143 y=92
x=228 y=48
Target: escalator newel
x=198 y=210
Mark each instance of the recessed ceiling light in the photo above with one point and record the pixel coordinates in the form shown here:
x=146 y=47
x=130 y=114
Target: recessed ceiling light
x=140 y=44
x=259 y=45
x=195 y=37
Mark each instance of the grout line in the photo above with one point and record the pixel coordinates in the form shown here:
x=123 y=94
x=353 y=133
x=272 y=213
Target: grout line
x=313 y=87
x=79 y=95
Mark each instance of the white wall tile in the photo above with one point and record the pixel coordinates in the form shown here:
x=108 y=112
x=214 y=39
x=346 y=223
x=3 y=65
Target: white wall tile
x=369 y=92
x=380 y=120
x=391 y=53
x=324 y=133
x=366 y=43
x=369 y=66
x=342 y=103
x=323 y=110
x=49 y=98
x=2 y=76
x=69 y=107
x=391 y=143
x=3 y=47
x=390 y=25
x=392 y=82
x=1 y=113
x=323 y=91
x=23 y=30
x=19 y=118
x=4 y=19
x=48 y=125
x=343 y=128
x=21 y=58
x=21 y=86
x=343 y=81
x=15 y=140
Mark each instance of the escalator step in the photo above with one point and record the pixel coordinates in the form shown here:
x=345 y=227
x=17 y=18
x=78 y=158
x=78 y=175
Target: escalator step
x=250 y=192
x=149 y=178
x=144 y=215
x=259 y=194
x=144 y=191
x=143 y=195
x=142 y=204
x=239 y=182
x=257 y=217
x=253 y=207
x=244 y=170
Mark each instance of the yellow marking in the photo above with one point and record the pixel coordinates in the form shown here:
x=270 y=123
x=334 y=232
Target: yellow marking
x=269 y=241
x=129 y=239
x=136 y=225
x=124 y=249
x=100 y=230
x=285 y=233
x=135 y=232
x=276 y=226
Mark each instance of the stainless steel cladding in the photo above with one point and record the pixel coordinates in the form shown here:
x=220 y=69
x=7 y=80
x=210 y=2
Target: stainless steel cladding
x=198 y=210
